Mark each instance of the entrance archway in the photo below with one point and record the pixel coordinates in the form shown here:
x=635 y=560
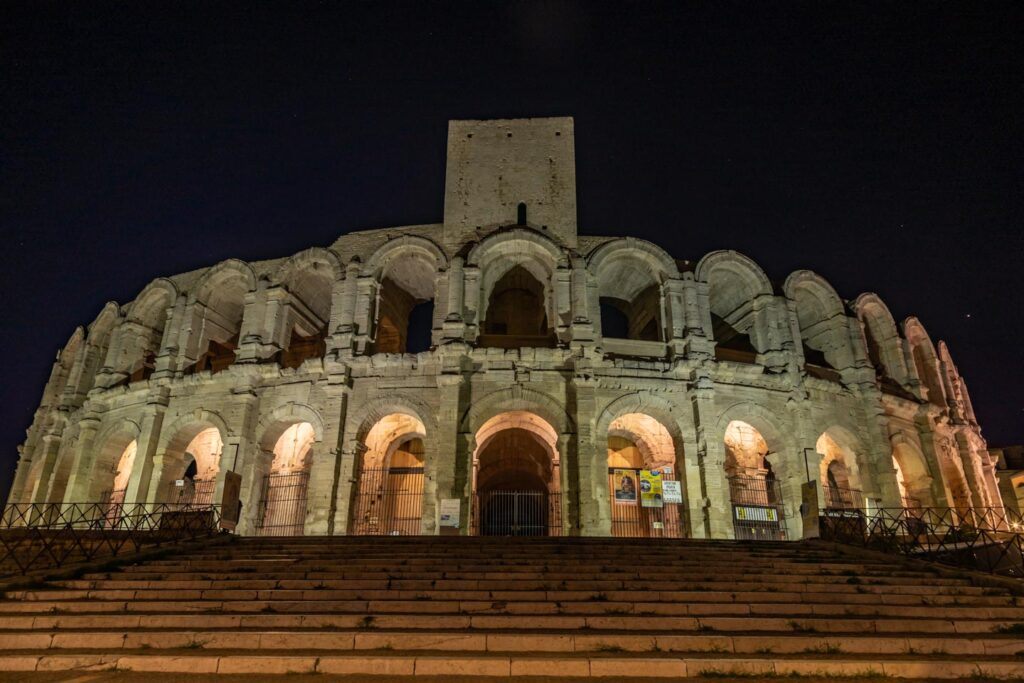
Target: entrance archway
x=388 y=497
x=282 y=509
x=639 y=442
x=190 y=474
x=516 y=477
x=756 y=497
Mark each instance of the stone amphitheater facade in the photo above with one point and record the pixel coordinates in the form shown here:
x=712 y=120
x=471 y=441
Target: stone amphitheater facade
x=553 y=359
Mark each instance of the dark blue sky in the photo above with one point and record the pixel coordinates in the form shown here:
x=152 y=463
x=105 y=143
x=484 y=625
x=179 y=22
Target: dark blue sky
x=877 y=143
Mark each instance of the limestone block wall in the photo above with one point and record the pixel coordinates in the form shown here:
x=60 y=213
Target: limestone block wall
x=216 y=349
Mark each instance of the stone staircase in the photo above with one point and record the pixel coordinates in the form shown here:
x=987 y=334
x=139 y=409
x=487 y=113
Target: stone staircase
x=574 y=607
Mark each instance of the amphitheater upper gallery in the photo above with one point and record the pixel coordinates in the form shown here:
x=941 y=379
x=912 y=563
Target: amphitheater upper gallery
x=499 y=373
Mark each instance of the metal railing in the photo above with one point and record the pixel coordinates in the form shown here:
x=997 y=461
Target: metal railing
x=984 y=539
x=51 y=535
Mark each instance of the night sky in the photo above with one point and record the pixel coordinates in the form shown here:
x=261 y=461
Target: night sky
x=878 y=144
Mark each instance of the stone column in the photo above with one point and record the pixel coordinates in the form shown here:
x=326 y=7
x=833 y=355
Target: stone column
x=591 y=459
x=453 y=469
x=715 y=510
x=49 y=452
x=673 y=291
x=471 y=299
x=453 y=327
x=366 y=311
x=141 y=477
x=167 y=357
x=582 y=314
x=81 y=485
x=562 y=304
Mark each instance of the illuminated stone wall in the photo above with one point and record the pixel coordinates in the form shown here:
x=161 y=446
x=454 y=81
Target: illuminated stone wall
x=246 y=351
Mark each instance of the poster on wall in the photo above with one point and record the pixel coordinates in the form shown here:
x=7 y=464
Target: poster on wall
x=450 y=509
x=231 y=504
x=624 y=485
x=651 y=495
x=672 y=491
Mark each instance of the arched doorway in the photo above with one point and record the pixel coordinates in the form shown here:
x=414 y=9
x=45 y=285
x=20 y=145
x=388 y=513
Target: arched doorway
x=638 y=442
x=912 y=478
x=840 y=482
x=516 y=477
x=388 y=497
x=282 y=509
x=191 y=475
x=757 y=510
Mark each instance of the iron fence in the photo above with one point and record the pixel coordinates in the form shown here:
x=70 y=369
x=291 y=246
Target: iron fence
x=630 y=519
x=985 y=539
x=388 y=501
x=757 y=510
x=282 y=510
x=838 y=498
x=517 y=513
x=50 y=535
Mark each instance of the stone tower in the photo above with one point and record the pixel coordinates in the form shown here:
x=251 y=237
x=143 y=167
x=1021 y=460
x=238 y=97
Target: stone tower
x=495 y=166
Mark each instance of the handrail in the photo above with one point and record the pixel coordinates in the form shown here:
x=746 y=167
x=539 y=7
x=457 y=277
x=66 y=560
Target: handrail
x=50 y=535
x=986 y=539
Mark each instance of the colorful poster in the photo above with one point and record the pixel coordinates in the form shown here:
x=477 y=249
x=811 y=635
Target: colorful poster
x=624 y=486
x=651 y=489
x=672 y=491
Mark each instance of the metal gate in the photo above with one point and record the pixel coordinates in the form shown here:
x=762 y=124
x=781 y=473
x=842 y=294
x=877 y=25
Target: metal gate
x=197 y=492
x=632 y=520
x=518 y=513
x=757 y=511
x=282 y=510
x=388 y=502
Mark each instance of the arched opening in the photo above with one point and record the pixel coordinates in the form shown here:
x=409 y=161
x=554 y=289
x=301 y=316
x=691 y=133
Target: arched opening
x=733 y=285
x=642 y=451
x=755 y=494
x=142 y=334
x=957 y=490
x=222 y=303
x=190 y=474
x=405 y=312
x=840 y=482
x=307 y=314
x=282 y=508
x=388 y=497
x=517 y=312
x=630 y=299
x=912 y=476
x=122 y=472
x=516 y=477
x=823 y=325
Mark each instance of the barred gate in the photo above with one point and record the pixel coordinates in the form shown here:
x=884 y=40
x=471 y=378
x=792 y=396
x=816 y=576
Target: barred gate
x=197 y=492
x=517 y=513
x=282 y=510
x=757 y=511
x=388 y=502
x=632 y=520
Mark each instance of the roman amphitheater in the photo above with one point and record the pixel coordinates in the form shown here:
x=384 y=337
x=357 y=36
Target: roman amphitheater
x=501 y=374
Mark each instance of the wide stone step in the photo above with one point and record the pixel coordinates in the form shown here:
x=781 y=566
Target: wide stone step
x=484 y=665
x=395 y=604
x=612 y=623
x=509 y=642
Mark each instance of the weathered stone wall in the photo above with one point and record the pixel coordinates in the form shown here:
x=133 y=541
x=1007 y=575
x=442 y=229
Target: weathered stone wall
x=800 y=362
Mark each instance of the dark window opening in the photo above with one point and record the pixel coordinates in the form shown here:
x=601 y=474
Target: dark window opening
x=421 y=323
x=302 y=348
x=730 y=343
x=521 y=214
x=639 y=319
x=516 y=314
x=614 y=323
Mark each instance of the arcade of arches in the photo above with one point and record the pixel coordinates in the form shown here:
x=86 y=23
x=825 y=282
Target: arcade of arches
x=503 y=363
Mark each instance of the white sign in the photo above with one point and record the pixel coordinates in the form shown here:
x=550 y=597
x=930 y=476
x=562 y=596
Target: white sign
x=179 y=482
x=671 y=491
x=450 y=512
